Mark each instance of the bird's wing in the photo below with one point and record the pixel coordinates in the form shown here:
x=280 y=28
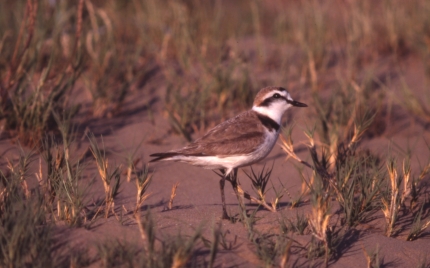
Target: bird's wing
x=239 y=135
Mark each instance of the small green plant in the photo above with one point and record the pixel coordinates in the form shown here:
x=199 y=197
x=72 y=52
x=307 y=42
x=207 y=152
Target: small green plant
x=319 y=220
x=197 y=106
x=224 y=242
x=28 y=106
x=272 y=250
x=279 y=193
x=359 y=180
x=412 y=186
x=114 y=253
x=299 y=224
x=54 y=158
x=418 y=226
x=259 y=185
x=259 y=181
x=174 y=251
x=79 y=258
x=64 y=196
x=417 y=106
x=214 y=245
x=249 y=221
x=132 y=161
x=353 y=177
x=61 y=184
x=114 y=66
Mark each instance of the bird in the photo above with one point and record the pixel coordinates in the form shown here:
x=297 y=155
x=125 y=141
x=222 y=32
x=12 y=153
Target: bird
x=240 y=141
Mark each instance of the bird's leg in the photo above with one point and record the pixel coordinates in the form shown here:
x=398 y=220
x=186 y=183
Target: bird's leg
x=237 y=190
x=221 y=186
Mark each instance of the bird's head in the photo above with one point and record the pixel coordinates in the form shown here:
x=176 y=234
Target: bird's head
x=273 y=102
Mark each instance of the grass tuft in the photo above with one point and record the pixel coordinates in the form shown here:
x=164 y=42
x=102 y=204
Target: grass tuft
x=111 y=178
x=172 y=251
x=418 y=226
x=25 y=234
x=143 y=179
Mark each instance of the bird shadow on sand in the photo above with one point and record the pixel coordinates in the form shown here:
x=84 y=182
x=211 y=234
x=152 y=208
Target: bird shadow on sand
x=179 y=207
x=280 y=206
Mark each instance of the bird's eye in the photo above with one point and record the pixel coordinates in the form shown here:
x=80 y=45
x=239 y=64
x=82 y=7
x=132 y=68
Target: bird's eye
x=276 y=96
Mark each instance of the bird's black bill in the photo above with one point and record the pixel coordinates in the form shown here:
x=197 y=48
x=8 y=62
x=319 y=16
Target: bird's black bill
x=296 y=103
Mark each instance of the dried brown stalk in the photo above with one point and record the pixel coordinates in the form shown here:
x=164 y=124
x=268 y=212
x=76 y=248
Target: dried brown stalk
x=288 y=147
x=142 y=183
x=391 y=207
x=261 y=202
x=172 y=195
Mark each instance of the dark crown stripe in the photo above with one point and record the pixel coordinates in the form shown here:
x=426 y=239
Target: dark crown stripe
x=267 y=102
x=268 y=122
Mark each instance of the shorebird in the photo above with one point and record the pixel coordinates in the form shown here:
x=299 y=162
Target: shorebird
x=240 y=141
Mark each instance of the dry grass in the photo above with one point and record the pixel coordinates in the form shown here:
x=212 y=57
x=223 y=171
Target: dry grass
x=259 y=184
x=32 y=92
x=200 y=51
x=119 y=42
x=111 y=178
x=173 y=251
x=391 y=208
x=143 y=179
x=25 y=234
x=418 y=225
x=172 y=195
x=319 y=220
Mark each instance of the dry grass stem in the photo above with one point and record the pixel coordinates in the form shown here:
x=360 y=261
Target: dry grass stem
x=372 y=257
x=418 y=225
x=259 y=185
x=288 y=147
x=392 y=206
x=361 y=66
x=286 y=256
x=319 y=220
x=111 y=179
x=263 y=203
x=172 y=195
x=143 y=180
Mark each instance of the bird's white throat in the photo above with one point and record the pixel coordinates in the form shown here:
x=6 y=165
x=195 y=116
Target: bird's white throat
x=274 y=111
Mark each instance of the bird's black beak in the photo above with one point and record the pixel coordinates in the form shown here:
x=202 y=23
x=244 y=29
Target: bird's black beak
x=296 y=103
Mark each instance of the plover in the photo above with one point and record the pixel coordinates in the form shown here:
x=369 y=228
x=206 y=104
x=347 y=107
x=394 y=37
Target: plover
x=240 y=141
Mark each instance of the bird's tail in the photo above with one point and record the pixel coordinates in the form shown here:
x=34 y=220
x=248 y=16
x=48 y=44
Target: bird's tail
x=162 y=156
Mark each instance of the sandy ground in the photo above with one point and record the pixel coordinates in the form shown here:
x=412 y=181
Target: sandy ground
x=198 y=199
